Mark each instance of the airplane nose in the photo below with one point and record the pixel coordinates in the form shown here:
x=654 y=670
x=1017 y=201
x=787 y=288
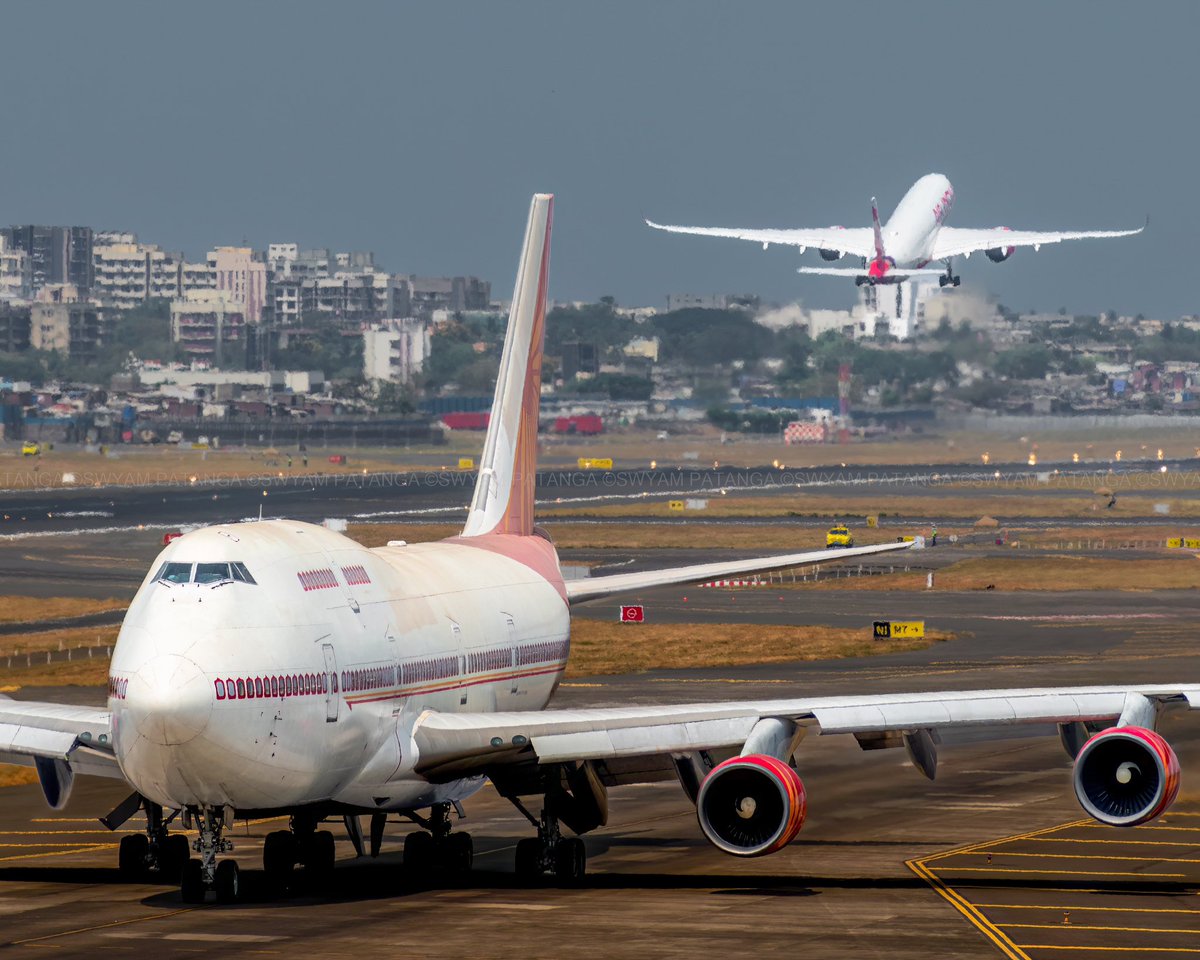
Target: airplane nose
x=169 y=700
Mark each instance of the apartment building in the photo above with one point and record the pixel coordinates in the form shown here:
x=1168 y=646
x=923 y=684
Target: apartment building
x=242 y=276
x=210 y=325
x=56 y=254
x=16 y=271
x=128 y=274
x=62 y=321
x=395 y=349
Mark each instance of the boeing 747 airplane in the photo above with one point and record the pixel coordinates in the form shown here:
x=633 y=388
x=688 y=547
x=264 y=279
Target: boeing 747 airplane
x=277 y=668
x=913 y=237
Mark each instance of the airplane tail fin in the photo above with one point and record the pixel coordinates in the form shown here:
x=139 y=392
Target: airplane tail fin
x=879 y=251
x=503 y=500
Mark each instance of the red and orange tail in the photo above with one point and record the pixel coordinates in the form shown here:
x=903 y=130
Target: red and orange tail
x=503 y=501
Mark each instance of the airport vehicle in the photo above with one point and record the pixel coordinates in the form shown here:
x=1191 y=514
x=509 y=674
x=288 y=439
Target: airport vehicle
x=279 y=668
x=839 y=537
x=913 y=237
x=30 y=449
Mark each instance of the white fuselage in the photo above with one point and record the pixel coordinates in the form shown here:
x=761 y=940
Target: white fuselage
x=911 y=231
x=303 y=686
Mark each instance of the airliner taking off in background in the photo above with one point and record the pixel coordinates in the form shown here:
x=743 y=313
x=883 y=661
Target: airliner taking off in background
x=276 y=668
x=913 y=237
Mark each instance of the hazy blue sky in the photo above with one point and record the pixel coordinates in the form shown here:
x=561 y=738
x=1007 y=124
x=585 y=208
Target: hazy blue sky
x=419 y=131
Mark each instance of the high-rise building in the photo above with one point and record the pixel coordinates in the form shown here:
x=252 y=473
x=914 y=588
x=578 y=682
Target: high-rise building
x=16 y=274
x=56 y=254
x=241 y=275
x=128 y=274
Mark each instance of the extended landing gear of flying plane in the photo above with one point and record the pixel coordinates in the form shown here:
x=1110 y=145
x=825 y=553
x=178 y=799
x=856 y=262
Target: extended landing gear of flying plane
x=302 y=845
x=204 y=873
x=949 y=279
x=436 y=847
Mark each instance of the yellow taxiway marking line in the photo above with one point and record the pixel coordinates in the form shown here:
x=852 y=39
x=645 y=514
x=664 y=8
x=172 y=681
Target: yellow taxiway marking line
x=103 y=926
x=1087 y=856
x=1072 y=908
x=56 y=853
x=977 y=919
x=975 y=847
x=1136 y=843
x=1056 y=946
x=1144 y=828
x=86 y=844
x=1077 y=873
x=1088 y=926
x=51 y=833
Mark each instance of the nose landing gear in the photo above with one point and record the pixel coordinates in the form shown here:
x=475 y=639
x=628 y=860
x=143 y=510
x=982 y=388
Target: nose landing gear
x=204 y=873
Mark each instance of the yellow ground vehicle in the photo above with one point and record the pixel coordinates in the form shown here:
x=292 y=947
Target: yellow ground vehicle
x=30 y=449
x=839 y=537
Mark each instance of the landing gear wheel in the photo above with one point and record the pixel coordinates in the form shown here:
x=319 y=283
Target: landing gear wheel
x=191 y=886
x=321 y=858
x=418 y=850
x=460 y=851
x=132 y=854
x=227 y=881
x=529 y=858
x=570 y=861
x=279 y=857
x=173 y=854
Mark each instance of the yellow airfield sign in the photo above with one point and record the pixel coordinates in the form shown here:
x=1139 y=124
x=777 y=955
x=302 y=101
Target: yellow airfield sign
x=899 y=629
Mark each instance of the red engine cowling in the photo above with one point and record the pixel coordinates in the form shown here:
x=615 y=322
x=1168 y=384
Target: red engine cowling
x=751 y=806
x=1000 y=254
x=1126 y=775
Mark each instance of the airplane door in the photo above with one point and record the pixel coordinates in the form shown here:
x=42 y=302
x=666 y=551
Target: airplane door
x=512 y=642
x=332 y=696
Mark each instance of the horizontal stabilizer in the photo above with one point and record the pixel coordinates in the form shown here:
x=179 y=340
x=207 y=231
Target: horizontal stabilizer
x=589 y=588
x=891 y=277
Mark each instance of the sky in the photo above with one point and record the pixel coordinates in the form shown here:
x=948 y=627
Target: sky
x=420 y=130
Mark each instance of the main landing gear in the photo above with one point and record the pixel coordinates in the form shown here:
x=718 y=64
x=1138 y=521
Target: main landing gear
x=549 y=851
x=435 y=847
x=949 y=279
x=302 y=845
x=157 y=853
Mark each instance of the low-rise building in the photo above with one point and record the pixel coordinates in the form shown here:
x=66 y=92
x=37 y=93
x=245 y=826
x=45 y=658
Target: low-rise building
x=448 y=293
x=395 y=350
x=128 y=274
x=63 y=324
x=15 y=324
x=16 y=271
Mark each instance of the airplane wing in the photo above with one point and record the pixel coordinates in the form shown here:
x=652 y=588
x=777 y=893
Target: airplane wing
x=453 y=744
x=59 y=740
x=857 y=241
x=959 y=241
x=590 y=588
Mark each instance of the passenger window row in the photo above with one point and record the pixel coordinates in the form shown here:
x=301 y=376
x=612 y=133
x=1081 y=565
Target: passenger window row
x=542 y=652
x=487 y=660
x=321 y=579
x=369 y=678
x=356 y=575
x=117 y=687
x=287 y=685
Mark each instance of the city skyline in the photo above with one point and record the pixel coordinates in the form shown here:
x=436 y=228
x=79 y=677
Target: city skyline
x=767 y=115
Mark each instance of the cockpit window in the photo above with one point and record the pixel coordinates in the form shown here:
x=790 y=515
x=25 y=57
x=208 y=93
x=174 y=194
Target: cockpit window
x=209 y=573
x=241 y=573
x=175 y=573
x=212 y=572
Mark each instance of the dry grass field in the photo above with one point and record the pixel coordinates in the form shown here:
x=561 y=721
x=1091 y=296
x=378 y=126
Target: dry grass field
x=605 y=647
x=25 y=609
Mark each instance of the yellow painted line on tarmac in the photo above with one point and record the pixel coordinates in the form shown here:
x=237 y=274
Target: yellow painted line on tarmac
x=976 y=919
x=1057 y=907
x=1056 y=946
x=1139 y=843
x=57 y=853
x=102 y=926
x=51 y=833
x=41 y=846
x=1088 y=927
x=1090 y=856
x=1077 y=873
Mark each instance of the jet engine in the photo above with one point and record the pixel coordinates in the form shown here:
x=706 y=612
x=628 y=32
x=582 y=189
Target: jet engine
x=751 y=806
x=830 y=255
x=1000 y=254
x=1126 y=775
